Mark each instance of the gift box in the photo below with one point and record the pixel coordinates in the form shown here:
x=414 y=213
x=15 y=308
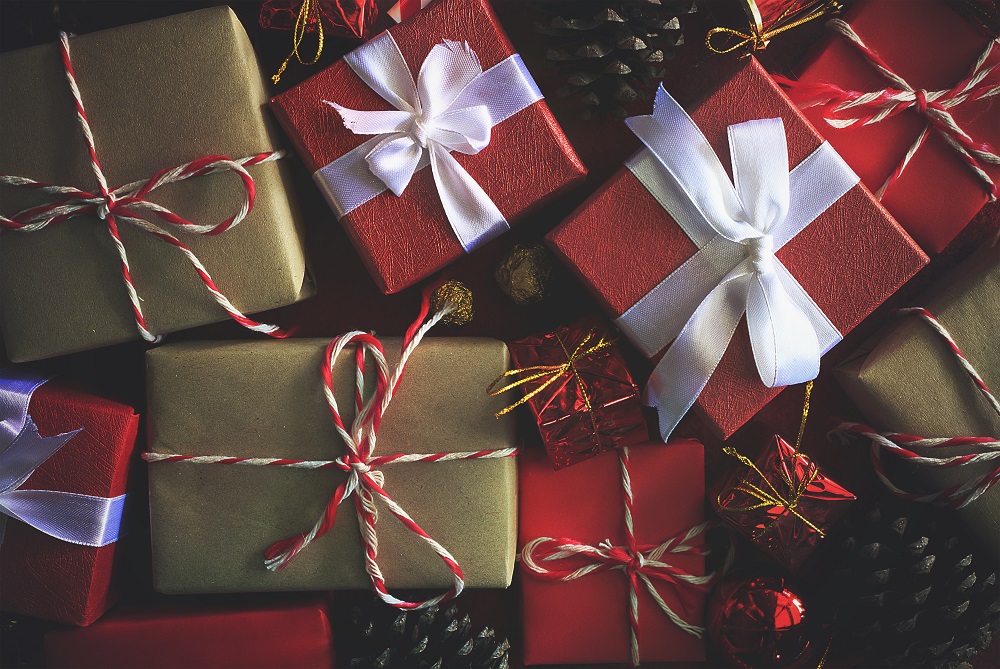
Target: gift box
x=840 y=266
x=586 y=620
x=408 y=228
x=908 y=380
x=579 y=390
x=783 y=503
x=203 y=635
x=45 y=575
x=212 y=524
x=157 y=94
x=932 y=48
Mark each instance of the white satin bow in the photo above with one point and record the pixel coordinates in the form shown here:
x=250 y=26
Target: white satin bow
x=738 y=226
x=452 y=107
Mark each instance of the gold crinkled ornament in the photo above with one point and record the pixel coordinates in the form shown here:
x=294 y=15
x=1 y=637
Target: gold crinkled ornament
x=524 y=273
x=459 y=295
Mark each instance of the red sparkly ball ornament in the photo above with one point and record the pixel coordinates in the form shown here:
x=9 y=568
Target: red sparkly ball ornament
x=760 y=622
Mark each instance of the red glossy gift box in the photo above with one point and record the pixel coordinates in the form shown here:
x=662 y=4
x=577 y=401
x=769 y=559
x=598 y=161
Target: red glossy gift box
x=579 y=390
x=586 y=621
x=293 y=635
x=45 y=577
x=849 y=259
x=404 y=239
x=933 y=48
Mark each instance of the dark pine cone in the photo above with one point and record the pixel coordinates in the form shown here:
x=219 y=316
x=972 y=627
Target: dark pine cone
x=428 y=639
x=611 y=53
x=908 y=590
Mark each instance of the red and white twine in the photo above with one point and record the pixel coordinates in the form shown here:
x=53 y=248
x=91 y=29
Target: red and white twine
x=128 y=204
x=568 y=559
x=986 y=449
x=844 y=109
x=365 y=480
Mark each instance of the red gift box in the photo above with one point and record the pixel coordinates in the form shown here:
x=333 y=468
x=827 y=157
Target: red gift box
x=280 y=636
x=586 y=621
x=849 y=259
x=933 y=48
x=45 y=577
x=783 y=503
x=404 y=239
x=579 y=390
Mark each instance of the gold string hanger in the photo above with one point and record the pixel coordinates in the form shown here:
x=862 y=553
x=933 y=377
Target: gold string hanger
x=309 y=7
x=761 y=30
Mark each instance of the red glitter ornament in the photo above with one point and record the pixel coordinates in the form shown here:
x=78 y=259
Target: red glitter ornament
x=760 y=622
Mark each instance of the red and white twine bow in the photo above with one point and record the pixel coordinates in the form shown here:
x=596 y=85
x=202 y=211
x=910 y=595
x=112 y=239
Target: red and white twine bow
x=987 y=449
x=128 y=204
x=364 y=480
x=568 y=559
x=843 y=109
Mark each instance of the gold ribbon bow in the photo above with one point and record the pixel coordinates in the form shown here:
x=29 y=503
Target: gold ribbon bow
x=759 y=37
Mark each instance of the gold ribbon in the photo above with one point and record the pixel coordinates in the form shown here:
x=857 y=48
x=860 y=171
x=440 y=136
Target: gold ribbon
x=758 y=38
x=551 y=373
x=298 y=34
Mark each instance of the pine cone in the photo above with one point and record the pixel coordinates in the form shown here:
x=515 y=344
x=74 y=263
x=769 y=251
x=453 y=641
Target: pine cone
x=908 y=590
x=610 y=52
x=428 y=639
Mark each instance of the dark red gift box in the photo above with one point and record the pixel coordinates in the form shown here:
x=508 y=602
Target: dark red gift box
x=932 y=48
x=783 y=503
x=579 y=390
x=849 y=260
x=279 y=636
x=42 y=576
x=405 y=239
x=586 y=621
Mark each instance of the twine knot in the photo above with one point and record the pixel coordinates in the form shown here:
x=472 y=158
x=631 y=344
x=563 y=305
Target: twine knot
x=920 y=99
x=105 y=208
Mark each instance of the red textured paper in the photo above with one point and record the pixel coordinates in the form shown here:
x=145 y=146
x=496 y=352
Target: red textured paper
x=42 y=576
x=405 y=239
x=849 y=260
x=743 y=500
x=283 y=636
x=578 y=424
x=586 y=621
x=931 y=47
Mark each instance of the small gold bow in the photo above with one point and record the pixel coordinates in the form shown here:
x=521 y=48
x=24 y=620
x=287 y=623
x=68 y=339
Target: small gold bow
x=758 y=37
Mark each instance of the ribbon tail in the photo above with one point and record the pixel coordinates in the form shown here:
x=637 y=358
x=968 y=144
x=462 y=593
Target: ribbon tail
x=470 y=211
x=80 y=519
x=784 y=342
x=29 y=450
x=684 y=370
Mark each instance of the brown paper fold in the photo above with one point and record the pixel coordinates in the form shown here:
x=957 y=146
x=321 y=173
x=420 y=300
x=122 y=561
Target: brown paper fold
x=908 y=380
x=158 y=94
x=212 y=523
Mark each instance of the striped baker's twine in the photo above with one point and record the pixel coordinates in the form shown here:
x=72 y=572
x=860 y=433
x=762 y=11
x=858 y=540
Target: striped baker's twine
x=844 y=109
x=364 y=479
x=987 y=449
x=128 y=203
x=567 y=560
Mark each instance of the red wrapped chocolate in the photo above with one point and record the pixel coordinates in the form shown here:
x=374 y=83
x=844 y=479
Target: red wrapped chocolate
x=592 y=547
x=782 y=503
x=578 y=388
x=64 y=462
x=473 y=114
x=927 y=139
x=743 y=286
x=293 y=635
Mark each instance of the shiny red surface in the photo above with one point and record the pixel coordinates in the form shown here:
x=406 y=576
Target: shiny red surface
x=341 y=18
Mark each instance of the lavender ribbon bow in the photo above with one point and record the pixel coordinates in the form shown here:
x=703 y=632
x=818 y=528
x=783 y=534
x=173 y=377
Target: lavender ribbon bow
x=80 y=519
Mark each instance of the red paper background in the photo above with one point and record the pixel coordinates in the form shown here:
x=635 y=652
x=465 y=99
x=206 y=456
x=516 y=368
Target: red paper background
x=52 y=579
x=586 y=621
x=405 y=239
x=931 y=47
x=855 y=241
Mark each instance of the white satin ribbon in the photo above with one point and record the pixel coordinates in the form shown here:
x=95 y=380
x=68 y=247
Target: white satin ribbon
x=80 y=519
x=452 y=106
x=737 y=226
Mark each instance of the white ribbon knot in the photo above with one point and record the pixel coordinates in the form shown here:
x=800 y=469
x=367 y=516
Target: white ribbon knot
x=451 y=107
x=738 y=225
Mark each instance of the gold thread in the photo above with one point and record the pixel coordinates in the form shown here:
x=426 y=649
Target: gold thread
x=298 y=34
x=805 y=415
x=759 y=38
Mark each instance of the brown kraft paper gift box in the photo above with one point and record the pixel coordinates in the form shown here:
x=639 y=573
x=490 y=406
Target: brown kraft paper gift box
x=907 y=379
x=158 y=94
x=211 y=524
